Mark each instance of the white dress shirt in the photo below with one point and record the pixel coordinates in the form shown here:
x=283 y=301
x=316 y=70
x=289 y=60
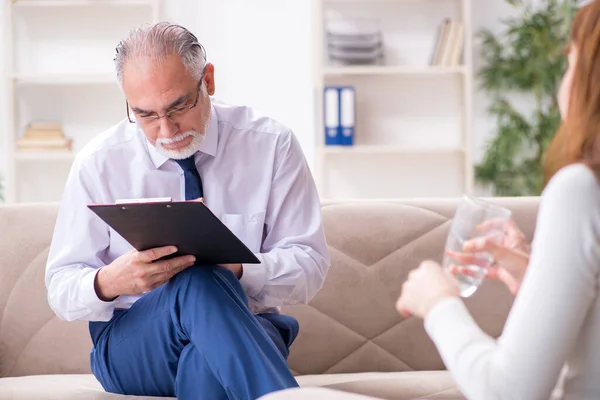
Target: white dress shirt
x=255 y=179
x=555 y=319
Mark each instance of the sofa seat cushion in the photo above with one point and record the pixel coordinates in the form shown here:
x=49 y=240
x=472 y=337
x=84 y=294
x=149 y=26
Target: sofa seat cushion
x=389 y=385
x=432 y=385
x=314 y=393
x=58 y=387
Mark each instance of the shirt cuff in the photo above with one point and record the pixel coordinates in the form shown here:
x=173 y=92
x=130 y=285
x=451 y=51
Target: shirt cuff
x=446 y=316
x=90 y=298
x=254 y=277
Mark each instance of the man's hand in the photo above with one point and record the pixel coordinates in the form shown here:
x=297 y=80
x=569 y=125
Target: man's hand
x=137 y=272
x=237 y=269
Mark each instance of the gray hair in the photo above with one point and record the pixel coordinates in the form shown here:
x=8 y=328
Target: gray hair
x=155 y=43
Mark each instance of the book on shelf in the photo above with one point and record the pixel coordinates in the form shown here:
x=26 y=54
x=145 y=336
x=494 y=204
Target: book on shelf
x=44 y=136
x=450 y=42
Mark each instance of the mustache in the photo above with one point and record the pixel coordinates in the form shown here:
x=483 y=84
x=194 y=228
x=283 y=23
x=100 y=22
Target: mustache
x=177 y=138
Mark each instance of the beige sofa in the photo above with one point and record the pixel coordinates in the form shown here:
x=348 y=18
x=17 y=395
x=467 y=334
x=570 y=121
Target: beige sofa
x=351 y=338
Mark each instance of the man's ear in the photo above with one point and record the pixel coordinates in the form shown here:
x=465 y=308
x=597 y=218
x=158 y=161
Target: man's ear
x=209 y=78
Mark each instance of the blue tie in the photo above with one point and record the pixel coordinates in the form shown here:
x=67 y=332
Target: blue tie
x=193 y=182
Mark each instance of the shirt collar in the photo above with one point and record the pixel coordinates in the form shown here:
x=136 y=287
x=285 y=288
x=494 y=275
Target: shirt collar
x=208 y=146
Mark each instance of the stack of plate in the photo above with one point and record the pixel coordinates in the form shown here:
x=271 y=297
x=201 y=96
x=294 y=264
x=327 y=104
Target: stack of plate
x=354 y=41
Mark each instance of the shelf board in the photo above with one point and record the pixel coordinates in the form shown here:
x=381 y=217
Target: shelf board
x=44 y=155
x=378 y=1
x=80 y=3
x=392 y=70
x=393 y=149
x=65 y=79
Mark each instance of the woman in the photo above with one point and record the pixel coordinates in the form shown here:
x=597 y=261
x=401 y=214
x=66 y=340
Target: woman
x=555 y=319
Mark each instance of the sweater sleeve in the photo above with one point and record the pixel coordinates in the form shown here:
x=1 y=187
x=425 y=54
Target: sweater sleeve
x=548 y=314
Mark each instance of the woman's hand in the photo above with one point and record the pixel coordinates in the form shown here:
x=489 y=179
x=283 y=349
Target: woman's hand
x=424 y=288
x=511 y=255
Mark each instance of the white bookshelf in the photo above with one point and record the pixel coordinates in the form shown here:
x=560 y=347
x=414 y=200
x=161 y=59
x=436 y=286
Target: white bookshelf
x=413 y=120
x=80 y=3
x=59 y=68
x=392 y=70
x=387 y=149
x=27 y=156
x=64 y=79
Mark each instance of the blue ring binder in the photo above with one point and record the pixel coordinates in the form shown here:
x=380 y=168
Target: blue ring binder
x=339 y=110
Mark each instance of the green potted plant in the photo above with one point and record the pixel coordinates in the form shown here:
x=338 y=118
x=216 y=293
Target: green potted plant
x=526 y=58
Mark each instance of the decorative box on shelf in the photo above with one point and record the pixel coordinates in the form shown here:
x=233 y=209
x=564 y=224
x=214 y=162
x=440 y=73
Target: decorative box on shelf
x=354 y=41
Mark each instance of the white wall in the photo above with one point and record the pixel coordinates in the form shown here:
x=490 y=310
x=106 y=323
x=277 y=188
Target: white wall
x=262 y=55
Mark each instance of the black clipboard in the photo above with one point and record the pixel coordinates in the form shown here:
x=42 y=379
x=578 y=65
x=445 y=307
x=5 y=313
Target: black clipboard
x=188 y=225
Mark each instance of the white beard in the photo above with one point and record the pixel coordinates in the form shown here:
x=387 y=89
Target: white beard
x=187 y=151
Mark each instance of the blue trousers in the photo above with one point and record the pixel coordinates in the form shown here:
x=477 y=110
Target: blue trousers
x=194 y=338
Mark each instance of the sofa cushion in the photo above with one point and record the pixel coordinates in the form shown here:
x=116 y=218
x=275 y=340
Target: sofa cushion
x=390 y=385
x=374 y=245
x=27 y=324
x=314 y=394
x=350 y=326
x=57 y=387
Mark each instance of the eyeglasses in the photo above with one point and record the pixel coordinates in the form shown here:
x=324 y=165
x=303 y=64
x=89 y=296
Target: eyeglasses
x=173 y=114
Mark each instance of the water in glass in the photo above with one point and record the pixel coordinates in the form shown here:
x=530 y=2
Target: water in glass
x=470 y=216
x=469 y=276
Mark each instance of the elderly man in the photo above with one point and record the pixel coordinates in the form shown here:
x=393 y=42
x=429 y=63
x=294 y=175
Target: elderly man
x=168 y=326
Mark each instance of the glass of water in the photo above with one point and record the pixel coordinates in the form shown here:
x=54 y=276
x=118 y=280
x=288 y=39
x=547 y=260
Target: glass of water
x=467 y=224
